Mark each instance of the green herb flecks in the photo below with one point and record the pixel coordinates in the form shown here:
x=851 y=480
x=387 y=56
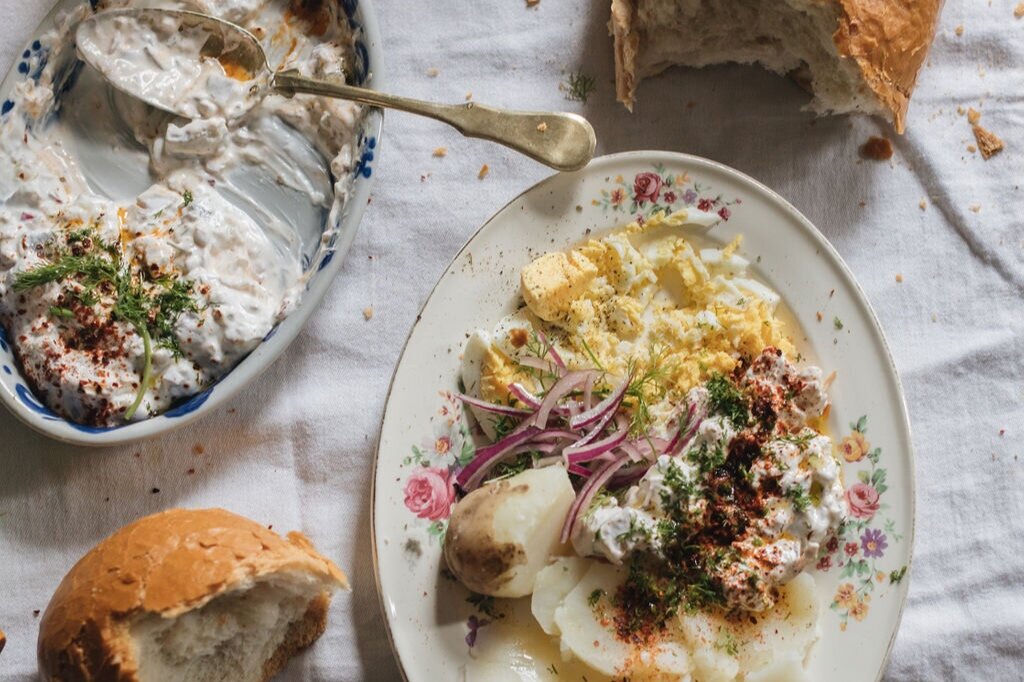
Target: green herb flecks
x=837 y=323
x=579 y=87
x=186 y=197
x=99 y=272
x=485 y=605
x=726 y=399
x=800 y=498
x=648 y=386
x=595 y=597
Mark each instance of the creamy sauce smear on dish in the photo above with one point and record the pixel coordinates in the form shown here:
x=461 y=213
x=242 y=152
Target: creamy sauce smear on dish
x=119 y=306
x=647 y=400
x=161 y=61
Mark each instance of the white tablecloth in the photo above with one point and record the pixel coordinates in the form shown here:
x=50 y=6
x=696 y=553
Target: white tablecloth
x=296 y=449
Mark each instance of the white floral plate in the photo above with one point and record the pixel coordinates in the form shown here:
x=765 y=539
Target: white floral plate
x=861 y=579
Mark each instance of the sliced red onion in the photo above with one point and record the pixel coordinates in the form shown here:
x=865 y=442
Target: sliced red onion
x=580 y=470
x=524 y=396
x=609 y=404
x=686 y=431
x=538 y=363
x=551 y=350
x=628 y=476
x=556 y=434
x=470 y=476
x=587 y=493
x=493 y=407
x=588 y=392
x=563 y=387
x=578 y=453
x=632 y=451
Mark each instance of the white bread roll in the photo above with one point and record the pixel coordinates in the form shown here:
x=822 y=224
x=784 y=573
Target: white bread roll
x=187 y=596
x=856 y=55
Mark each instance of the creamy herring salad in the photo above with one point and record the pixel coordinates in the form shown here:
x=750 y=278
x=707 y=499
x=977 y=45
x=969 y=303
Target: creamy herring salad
x=761 y=492
x=119 y=304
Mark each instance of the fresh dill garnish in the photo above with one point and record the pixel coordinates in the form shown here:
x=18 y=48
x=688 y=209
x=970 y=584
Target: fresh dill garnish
x=541 y=349
x=799 y=497
x=707 y=458
x=595 y=597
x=151 y=305
x=512 y=467
x=579 y=87
x=186 y=197
x=837 y=323
x=648 y=385
x=590 y=354
x=726 y=399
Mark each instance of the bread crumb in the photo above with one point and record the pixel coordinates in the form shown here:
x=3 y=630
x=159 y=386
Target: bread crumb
x=433 y=72
x=971 y=148
x=973 y=116
x=469 y=95
x=532 y=3
x=1018 y=11
x=988 y=142
x=975 y=208
x=876 y=149
x=198 y=449
x=960 y=110
x=542 y=127
x=899 y=277
x=820 y=316
x=959 y=30
x=484 y=170
x=923 y=204
x=441 y=151
x=367 y=312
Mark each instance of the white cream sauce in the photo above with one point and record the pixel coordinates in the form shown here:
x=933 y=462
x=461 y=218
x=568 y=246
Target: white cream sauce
x=198 y=200
x=160 y=60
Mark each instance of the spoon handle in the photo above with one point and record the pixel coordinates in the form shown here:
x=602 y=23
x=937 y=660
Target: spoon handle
x=560 y=140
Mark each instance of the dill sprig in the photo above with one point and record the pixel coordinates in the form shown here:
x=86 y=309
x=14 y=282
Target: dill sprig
x=151 y=305
x=579 y=87
x=649 y=384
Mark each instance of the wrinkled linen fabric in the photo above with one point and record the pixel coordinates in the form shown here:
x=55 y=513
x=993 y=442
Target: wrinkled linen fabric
x=296 y=448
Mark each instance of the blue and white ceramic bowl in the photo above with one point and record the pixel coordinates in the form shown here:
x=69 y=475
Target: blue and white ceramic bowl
x=15 y=392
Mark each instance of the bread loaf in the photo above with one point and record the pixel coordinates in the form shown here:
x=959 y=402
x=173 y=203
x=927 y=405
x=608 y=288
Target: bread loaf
x=187 y=596
x=855 y=55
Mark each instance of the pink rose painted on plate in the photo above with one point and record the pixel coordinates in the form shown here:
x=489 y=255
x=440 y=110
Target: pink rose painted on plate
x=863 y=500
x=429 y=494
x=646 y=187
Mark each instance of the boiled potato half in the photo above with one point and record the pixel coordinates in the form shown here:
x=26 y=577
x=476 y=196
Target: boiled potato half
x=503 y=533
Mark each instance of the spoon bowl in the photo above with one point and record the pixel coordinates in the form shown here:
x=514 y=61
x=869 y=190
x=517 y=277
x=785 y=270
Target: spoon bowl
x=211 y=67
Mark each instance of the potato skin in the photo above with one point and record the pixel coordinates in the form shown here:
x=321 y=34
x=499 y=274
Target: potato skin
x=500 y=535
x=470 y=550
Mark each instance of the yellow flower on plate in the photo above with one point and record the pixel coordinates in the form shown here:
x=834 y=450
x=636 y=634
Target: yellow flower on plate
x=854 y=447
x=859 y=610
x=846 y=595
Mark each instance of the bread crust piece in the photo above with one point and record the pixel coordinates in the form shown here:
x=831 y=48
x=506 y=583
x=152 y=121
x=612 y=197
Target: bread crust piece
x=888 y=39
x=167 y=564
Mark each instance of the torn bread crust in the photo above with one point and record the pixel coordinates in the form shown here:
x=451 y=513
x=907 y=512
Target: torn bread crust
x=860 y=55
x=166 y=597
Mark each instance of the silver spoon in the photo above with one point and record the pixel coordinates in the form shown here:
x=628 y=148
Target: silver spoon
x=560 y=140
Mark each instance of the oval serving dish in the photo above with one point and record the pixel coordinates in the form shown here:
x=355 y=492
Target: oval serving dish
x=860 y=577
x=321 y=268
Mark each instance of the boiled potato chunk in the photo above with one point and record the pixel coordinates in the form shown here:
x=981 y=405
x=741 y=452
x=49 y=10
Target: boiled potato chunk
x=554 y=582
x=583 y=634
x=501 y=535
